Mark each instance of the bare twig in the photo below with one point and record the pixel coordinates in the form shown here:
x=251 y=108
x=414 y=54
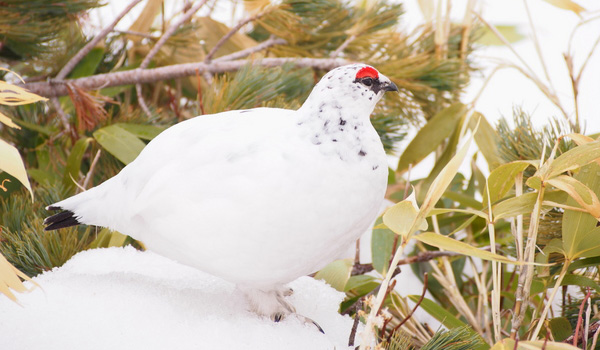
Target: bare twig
x=92 y=43
x=142 y=101
x=233 y=30
x=352 y=337
x=61 y=114
x=88 y=176
x=58 y=88
x=163 y=39
x=249 y=51
x=170 y=31
x=580 y=318
x=425 y=279
x=360 y=269
x=131 y=32
x=594 y=330
x=538 y=49
x=342 y=47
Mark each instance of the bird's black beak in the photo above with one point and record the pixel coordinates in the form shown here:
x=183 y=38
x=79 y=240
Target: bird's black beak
x=390 y=87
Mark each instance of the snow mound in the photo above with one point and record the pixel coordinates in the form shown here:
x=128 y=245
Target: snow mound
x=121 y=298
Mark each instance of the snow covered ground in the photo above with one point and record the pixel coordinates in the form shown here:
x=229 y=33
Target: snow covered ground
x=120 y=298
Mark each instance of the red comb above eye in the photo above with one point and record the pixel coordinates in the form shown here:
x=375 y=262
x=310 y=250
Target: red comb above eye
x=367 y=72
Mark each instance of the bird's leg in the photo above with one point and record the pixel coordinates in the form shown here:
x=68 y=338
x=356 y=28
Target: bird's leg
x=273 y=304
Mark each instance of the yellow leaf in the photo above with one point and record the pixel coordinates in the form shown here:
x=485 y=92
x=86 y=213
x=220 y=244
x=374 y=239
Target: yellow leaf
x=441 y=182
x=580 y=139
x=572 y=159
x=11 y=162
x=10 y=278
x=7 y=121
x=453 y=245
x=144 y=22
x=336 y=274
x=502 y=179
x=13 y=95
x=579 y=192
x=567 y=5
x=401 y=217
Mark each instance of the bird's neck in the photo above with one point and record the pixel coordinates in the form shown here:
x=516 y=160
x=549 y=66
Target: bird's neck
x=337 y=129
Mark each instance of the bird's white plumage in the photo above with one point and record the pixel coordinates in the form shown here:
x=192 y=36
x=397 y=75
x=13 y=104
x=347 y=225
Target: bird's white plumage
x=258 y=197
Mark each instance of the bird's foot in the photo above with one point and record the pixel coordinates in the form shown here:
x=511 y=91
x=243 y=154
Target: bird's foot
x=273 y=304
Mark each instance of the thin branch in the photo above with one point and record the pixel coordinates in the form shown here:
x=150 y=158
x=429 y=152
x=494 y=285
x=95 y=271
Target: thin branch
x=170 y=31
x=504 y=41
x=342 y=47
x=131 y=32
x=352 y=337
x=538 y=49
x=92 y=43
x=425 y=279
x=579 y=319
x=142 y=101
x=233 y=30
x=135 y=76
x=88 y=176
x=61 y=113
x=360 y=269
x=588 y=58
x=249 y=51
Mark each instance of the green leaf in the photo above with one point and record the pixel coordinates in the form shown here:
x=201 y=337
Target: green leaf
x=487 y=140
x=572 y=159
x=583 y=263
x=382 y=242
x=438 y=312
x=509 y=32
x=463 y=199
x=42 y=129
x=401 y=217
x=11 y=162
x=582 y=281
x=582 y=194
x=144 y=132
x=439 y=211
x=88 y=65
x=585 y=245
x=444 y=178
x=431 y=136
x=502 y=179
x=523 y=204
x=74 y=162
x=453 y=245
x=43 y=177
x=119 y=142
x=361 y=284
x=560 y=327
x=336 y=273
x=577 y=225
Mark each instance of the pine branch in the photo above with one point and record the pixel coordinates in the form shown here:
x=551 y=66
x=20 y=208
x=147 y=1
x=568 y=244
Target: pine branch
x=170 y=31
x=233 y=30
x=247 y=52
x=92 y=43
x=54 y=88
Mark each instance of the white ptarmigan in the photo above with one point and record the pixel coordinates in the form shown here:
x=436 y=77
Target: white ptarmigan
x=258 y=197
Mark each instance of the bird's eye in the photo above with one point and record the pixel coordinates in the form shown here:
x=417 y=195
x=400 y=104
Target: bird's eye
x=367 y=81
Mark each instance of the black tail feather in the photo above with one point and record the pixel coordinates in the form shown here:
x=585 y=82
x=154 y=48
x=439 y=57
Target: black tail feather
x=63 y=219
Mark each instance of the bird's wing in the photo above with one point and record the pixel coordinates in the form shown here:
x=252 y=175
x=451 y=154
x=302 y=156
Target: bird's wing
x=200 y=156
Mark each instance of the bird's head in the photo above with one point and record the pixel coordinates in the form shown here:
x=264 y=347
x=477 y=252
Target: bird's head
x=355 y=87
